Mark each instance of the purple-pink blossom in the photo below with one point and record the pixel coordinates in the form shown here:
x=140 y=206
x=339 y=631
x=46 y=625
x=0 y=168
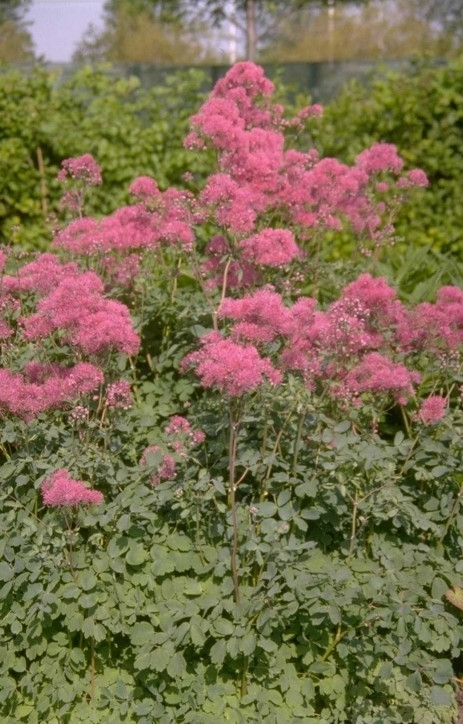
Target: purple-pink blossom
x=60 y=490
x=232 y=368
x=83 y=167
x=270 y=247
x=432 y=409
x=119 y=395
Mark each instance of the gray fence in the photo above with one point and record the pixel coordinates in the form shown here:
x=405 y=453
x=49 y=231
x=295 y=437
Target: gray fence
x=322 y=80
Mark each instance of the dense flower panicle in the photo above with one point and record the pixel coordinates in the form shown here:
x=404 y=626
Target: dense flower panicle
x=77 y=308
x=230 y=367
x=60 y=490
x=438 y=326
x=260 y=316
x=257 y=175
x=130 y=227
x=109 y=327
x=380 y=157
x=45 y=387
x=432 y=409
x=165 y=218
x=232 y=206
x=378 y=374
x=270 y=247
x=119 y=395
x=378 y=306
x=145 y=188
x=417 y=177
x=83 y=167
x=40 y=276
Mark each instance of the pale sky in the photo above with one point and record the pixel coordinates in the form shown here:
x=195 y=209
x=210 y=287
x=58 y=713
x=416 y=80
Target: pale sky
x=57 y=25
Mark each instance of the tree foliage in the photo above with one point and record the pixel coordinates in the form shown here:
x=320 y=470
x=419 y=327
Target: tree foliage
x=13 y=9
x=140 y=37
x=379 y=30
x=256 y=20
x=16 y=44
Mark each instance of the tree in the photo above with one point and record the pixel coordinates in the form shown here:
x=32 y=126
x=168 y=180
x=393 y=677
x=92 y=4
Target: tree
x=140 y=37
x=379 y=30
x=257 y=20
x=12 y=10
x=16 y=44
x=446 y=14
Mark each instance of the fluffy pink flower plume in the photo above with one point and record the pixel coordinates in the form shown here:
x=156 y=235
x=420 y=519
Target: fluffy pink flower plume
x=380 y=157
x=40 y=276
x=270 y=247
x=76 y=307
x=84 y=168
x=45 y=387
x=432 y=409
x=163 y=217
x=260 y=317
x=230 y=367
x=145 y=188
x=438 y=326
x=257 y=175
x=60 y=490
x=378 y=374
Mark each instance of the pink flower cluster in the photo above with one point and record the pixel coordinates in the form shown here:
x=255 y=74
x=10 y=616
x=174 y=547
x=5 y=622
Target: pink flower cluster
x=84 y=168
x=183 y=439
x=161 y=217
x=186 y=437
x=66 y=308
x=257 y=175
x=119 y=395
x=365 y=343
x=432 y=409
x=72 y=305
x=45 y=387
x=60 y=490
x=230 y=367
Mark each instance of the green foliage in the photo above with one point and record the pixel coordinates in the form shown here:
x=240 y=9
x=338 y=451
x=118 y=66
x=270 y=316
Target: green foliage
x=420 y=111
x=130 y=130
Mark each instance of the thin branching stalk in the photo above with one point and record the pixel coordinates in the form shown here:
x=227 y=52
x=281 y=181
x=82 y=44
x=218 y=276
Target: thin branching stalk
x=233 y=442
x=453 y=512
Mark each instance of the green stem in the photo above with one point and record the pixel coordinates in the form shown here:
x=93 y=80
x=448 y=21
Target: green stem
x=233 y=442
x=451 y=516
x=297 y=444
x=244 y=673
x=353 y=528
x=339 y=636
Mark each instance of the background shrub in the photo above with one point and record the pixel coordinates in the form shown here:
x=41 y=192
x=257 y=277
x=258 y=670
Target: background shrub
x=421 y=112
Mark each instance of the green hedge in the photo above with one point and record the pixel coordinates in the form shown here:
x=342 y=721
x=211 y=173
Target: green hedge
x=131 y=131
